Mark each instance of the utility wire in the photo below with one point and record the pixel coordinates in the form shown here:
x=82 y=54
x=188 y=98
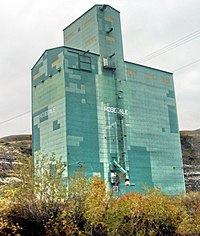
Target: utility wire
x=182 y=67
x=171 y=46
x=14 y=117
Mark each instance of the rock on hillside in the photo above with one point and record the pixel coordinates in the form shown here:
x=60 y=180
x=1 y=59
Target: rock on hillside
x=13 y=148
x=190 y=142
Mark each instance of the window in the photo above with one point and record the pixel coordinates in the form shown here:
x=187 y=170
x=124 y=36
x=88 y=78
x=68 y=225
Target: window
x=73 y=60
x=85 y=63
x=56 y=125
x=79 y=61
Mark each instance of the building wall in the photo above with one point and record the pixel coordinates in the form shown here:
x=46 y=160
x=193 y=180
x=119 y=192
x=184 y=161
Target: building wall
x=83 y=33
x=81 y=114
x=152 y=129
x=65 y=109
x=48 y=104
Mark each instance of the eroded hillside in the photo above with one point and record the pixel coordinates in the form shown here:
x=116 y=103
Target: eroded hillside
x=190 y=142
x=14 y=148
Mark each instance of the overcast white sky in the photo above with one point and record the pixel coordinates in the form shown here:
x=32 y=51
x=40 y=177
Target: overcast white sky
x=28 y=27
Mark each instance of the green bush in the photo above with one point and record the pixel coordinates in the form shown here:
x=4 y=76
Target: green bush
x=38 y=194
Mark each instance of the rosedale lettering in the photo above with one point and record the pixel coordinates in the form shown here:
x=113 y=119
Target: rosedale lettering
x=46 y=113
x=116 y=110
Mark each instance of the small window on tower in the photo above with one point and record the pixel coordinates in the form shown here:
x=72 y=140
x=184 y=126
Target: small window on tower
x=56 y=125
x=85 y=63
x=73 y=60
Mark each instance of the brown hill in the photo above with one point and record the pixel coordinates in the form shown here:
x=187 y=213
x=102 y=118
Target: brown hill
x=13 y=148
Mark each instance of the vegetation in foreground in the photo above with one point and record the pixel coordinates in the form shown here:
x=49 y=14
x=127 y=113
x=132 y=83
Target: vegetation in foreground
x=40 y=205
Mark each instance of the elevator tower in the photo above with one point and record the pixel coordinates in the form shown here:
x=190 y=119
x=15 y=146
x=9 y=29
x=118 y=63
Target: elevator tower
x=105 y=116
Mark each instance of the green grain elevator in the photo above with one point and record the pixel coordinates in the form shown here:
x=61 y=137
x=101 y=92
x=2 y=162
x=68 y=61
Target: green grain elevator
x=105 y=116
